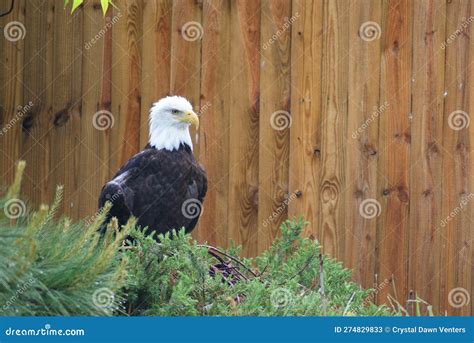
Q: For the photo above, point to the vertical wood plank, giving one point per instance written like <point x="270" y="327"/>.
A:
<point x="96" y="97"/>
<point x="37" y="88"/>
<point x="244" y="113"/>
<point x="11" y="94"/>
<point x="457" y="273"/>
<point x="156" y="58"/>
<point x="215" y="119"/>
<point x="275" y="119"/>
<point x="186" y="39"/>
<point x="126" y="78"/>
<point x="427" y="124"/>
<point x="305" y="132"/>
<point x="364" y="111"/>
<point x="469" y="254"/>
<point x="393" y="183"/>
<point x="334" y="117"/>
<point x="65" y="107"/>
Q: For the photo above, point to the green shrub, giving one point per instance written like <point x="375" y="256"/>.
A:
<point x="55" y="267"/>
<point x="173" y="278"/>
<point x="52" y="266"/>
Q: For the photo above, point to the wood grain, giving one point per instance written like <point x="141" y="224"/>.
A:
<point x="275" y="119"/>
<point x="469" y="254"/>
<point x="306" y="104"/>
<point x="457" y="247"/>
<point x="364" y="111"/>
<point x="215" y="119"/>
<point x="394" y="149"/>
<point x="333" y="122"/>
<point x="425" y="154"/>
<point x="96" y="96"/>
<point x="126" y="78"/>
<point x="11" y="95"/>
<point x="37" y="88"/>
<point x="305" y="134"/>
<point x="244" y="111"/>
<point x="186" y="55"/>
<point x="64" y="113"/>
<point x="156" y="56"/>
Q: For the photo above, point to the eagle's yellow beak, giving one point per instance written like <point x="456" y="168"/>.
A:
<point x="192" y="118"/>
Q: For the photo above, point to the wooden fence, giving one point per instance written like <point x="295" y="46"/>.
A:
<point x="353" y="114"/>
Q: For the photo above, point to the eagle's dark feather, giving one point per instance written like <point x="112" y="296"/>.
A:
<point x="153" y="186"/>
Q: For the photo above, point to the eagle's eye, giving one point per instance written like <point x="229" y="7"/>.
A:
<point x="174" y="111"/>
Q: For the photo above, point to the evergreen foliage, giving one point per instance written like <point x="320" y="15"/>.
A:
<point x="51" y="266"/>
<point x="173" y="278"/>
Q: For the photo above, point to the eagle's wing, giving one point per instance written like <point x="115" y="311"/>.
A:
<point x="118" y="190"/>
<point x="197" y="190"/>
<point x="153" y="186"/>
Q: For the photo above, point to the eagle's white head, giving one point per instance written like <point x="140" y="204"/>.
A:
<point x="170" y="119"/>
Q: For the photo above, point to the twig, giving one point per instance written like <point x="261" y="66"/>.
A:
<point x="228" y="256"/>
<point x="348" y="304"/>
<point x="321" y="276"/>
<point x="321" y="284"/>
<point x="307" y="263"/>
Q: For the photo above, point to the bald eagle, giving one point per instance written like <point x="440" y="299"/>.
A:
<point x="162" y="186"/>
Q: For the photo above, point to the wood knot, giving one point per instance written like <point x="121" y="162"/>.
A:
<point x="298" y="193"/>
<point x="253" y="195"/>
<point x="433" y="148"/>
<point x="370" y="150"/>
<point x="61" y="117"/>
<point x="27" y="123"/>
<point x="329" y="192"/>
<point x="402" y="194"/>
<point x="461" y="147"/>
<point x="407" y="137"/>
<point x="395" y="46"/>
